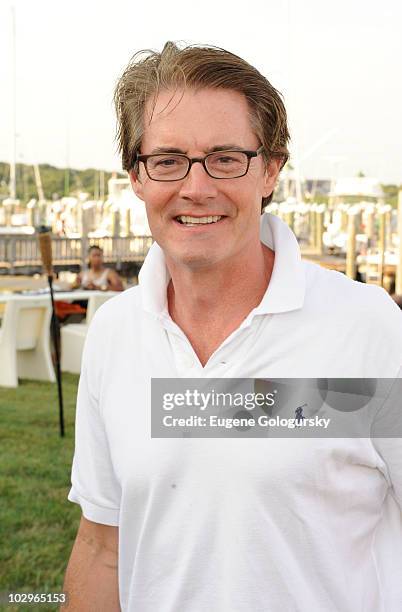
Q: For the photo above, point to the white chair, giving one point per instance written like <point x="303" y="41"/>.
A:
<point x="25" y="341"/>
<point x="73" y="335"/>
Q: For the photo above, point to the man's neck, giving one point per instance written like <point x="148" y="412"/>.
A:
<point x="208" y="305"/>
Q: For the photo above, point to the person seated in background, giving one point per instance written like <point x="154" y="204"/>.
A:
<point x="97" y="276"/>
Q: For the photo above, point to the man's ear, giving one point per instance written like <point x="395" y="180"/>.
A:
<point x="272" y="169"/>
<point x="136" y="184"/>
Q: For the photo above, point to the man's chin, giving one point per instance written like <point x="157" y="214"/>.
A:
<point x="192" y="260"/>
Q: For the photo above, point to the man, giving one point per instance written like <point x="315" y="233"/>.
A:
<point x="226" y="525"/>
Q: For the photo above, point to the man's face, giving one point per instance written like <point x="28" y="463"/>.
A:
<point x="195" y="123"/>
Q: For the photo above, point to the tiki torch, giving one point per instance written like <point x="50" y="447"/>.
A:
<point x="45" y="245"/>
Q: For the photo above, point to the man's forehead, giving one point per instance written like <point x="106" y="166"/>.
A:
<point x="167" y="100"/>
<point x="215" y="116"/>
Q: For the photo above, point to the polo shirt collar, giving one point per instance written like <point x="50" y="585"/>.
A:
<point x="286" y="288"/>
<point x="287" y="285"/>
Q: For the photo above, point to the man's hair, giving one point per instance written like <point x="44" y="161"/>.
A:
<point x="196" y="67"/>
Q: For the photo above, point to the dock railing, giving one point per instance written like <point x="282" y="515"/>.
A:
<point x="22" y="252"/>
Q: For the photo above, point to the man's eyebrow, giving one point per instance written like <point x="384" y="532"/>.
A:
<point x="167" y="150"/>
<point x="222" y="147"/>
<point x="225" y="147"/>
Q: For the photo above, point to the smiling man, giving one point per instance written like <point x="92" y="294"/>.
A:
<point x="203" y="182"/>
<point x="222" y="524"/>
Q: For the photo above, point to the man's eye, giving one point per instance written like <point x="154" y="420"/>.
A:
<point x="166" y="162"/>
<point x="225" y="159"/>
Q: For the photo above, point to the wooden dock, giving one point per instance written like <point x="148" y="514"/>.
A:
<point x="363" y="271"/>
<point x="21" y="255"/>
<point x="332" y="262"/>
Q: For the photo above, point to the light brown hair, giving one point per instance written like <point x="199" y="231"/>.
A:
<point x="175" y="68"/>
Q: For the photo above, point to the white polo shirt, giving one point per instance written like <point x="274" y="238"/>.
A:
<point x="240" y="525"/>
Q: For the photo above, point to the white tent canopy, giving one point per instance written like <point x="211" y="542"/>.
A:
<point x="364" y="187"/>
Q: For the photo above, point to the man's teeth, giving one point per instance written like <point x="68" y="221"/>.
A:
<point x="195" y="220"/>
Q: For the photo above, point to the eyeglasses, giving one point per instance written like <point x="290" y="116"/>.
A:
<point x="176" y="166"/>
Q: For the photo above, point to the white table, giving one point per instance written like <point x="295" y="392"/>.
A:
<point x="65" y="296"/>
<point x="12" y="303"/>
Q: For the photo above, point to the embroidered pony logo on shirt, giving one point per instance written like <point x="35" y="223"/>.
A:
<point x="299" y="415"/>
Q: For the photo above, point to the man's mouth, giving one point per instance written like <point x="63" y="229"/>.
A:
<point x="191" y="221"/>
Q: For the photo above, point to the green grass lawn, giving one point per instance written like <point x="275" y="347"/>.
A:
<point x="37" y="523"/>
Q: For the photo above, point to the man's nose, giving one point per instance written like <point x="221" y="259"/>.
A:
<point x="198" y="185"/>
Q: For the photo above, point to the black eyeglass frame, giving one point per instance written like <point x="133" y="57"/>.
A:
<point x="201" y="160"/>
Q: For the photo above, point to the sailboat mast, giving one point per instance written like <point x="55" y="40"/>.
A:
<point x="38" y="183"/>
<point x="13" y="182"/>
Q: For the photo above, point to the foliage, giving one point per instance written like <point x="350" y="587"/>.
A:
<point x="54" y="181"/>
<point x="37" y="522"/>
<point x="391" y="194"/>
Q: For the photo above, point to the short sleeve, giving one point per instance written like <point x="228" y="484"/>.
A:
<point x="94" y="484"/>
<point x="387" y="545"/>
<point x="390" y="450"/>
<point x="386" y="434"/>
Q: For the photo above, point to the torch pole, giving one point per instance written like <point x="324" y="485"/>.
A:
<point x="56" y="342"/>
<point x="45" y="245"/>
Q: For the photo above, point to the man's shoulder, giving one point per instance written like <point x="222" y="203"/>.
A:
<point x="362" y="318"/>
<point x="117" y="307"/>
<point x="335" y="291"/>
<point x="112" y="322"/>
<point x="123" y="298"/>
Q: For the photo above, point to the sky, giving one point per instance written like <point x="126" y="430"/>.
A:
<point x="335" y="62"/>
